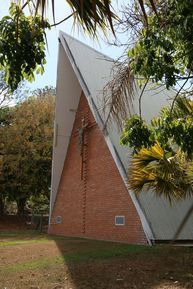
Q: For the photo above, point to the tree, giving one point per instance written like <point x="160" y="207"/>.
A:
<point x="27" y="150"/>
<point x="159" y="49"/>
<point x="162" y="151"/>
<point x="160" y="52"/>
<point x="4" y="122"/>
<point x="6" y="95"/>
<point x="23" y="36"/>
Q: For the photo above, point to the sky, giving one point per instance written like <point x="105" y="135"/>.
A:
<point x="61" y="11"/>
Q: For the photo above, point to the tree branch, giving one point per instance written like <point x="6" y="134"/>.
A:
<point x="172" y="106"/>
<point x="69" y="16"/>
<point x="140" y="97"/>
<point x="25" y="4"/>
<point x="184" y="77"/>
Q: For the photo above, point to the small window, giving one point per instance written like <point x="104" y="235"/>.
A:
<point x="119" y="220"/>
<point x="58" y="220"/>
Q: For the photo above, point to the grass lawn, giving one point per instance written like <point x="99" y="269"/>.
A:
<point x="29" y="260"/>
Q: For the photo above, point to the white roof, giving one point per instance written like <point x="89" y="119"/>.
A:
<point x="83" y="68"/>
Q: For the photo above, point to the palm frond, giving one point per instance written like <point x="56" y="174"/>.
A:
<point x="119" y="94"/>
<point x="53" y="11"/>
<point x="152" y="170"/>
<point x="90" y="14"/>
<point x="183" y="107"/>
<point x="41" y="6"/>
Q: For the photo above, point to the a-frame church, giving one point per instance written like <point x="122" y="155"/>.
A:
<point x="89" y="195"/>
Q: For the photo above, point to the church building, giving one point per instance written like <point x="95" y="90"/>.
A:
<point x="89" y="196"/>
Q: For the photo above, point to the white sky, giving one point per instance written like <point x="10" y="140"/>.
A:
<point x="49" y="77"/>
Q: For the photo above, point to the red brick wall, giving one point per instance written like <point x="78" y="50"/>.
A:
<point x="88" y="206"/>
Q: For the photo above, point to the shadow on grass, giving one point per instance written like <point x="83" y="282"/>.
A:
<point x="96" y="264"/>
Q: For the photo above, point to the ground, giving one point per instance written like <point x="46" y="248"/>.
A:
<point x="29" y="260"/>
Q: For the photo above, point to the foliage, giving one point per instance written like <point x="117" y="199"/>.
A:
<point x="22" y="46"/>
<point x="164" y="47"/>
<point x="163" y="151"/>
<point x="173" y="130"/>
<point x="155" y="170"/>
<point x="4" y="122"/>
<point x="7" y="97"/>
<point x="26" y="150"/>
<point x="159" y="49"/>
<point x="38" y="203"/>
<point x="161" y="52"/>
<point x="136" y="133"/>
<point x="45" y="91"/>
<point x="90" y="14"/>
<point x="93" y="14"/>
<point x="4" y="116"/>
<point x="23" y="38"/>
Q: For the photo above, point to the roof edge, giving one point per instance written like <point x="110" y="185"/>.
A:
<point x="62" y="33"/>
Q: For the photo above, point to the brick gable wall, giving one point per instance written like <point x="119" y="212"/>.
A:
<point x="91" y="191"/>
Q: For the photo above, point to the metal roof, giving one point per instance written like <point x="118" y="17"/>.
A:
<point x="83" y="68"/>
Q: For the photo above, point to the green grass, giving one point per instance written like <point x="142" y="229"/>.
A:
<point x="91" y="255"/>
<point x="34" y="234"/>
<point x="17" y="234"/>
<point x="86" y="250"/>
<point x="21" y="242"/>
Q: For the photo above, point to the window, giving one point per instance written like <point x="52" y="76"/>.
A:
<point x="119" y="220"/>
<point x="58" y="220"/>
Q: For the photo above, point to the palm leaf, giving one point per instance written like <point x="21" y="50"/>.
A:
<point x="119" y="94"/>
<point x="183" y="107"/>
<point x="152" y="170"/>
<point x="93" y="13"/>
<point x="53" y="11"/>
<point x="89" y="13"/>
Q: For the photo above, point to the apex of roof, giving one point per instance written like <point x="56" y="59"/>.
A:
<point x="92" y="68"/>
<point x="69" y="40"/>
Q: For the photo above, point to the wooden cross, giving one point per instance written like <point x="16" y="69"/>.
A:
<point x="81" y="143"/>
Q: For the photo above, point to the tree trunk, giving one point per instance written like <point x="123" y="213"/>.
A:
<point x="2" y="205"/>
<point x="21" y="206"/>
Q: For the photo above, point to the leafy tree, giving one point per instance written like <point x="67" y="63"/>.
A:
<point x="4" y="122"/>
<point x="22" y="46"/>
<point x="23" y="36"/>
<point x="159" y="51"/>
<point x="137" y="134"/>
<point x="162" y="151"/>
<point x="27" y="150"/>
<point x="163" y="51"/>
<point x="6" y="96"/>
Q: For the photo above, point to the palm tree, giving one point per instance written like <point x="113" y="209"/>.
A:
<point x="90" y="14"/>
<point x="166" y="168"/>
<point x="153" y="169"/>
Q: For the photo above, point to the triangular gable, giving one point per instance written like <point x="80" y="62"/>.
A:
<point x="91" y="192"/>
<point x="78" y="61"/>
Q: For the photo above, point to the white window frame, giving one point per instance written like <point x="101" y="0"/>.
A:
<point x="119" y="216"/>
<point x="58" y="219"/>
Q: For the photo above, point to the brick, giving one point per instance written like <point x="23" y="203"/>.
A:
<point x="88" y="207"/>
